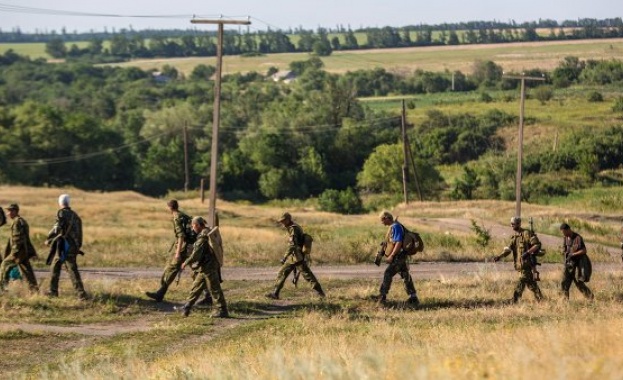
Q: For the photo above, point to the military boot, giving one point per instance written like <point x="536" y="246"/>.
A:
<point x="221" y="313"/>
<point x="157" y="296"/>
<point x="318" y="289"/>
<point x="413" y="300"/>
<point x="185" y="310"/>
<point x="206" y="301"/>
<point x="272" y="295"/>
<point x="516" y="297"/>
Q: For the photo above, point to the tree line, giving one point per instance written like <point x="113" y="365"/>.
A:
<point x="112" y="128"/>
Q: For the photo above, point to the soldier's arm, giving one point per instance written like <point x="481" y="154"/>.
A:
<point x="578" y="244"/>
<point x="179" y="235"/>
<point x="198" y="249"/>
<point x="18" y="236"/>
<point x="535" y="246"/>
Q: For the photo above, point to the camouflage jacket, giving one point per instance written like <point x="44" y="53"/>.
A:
<point x="520" y="242"/>
<point x="19" y="245"/>
<point x="69" y="225"/>
<point x="202" y="257"/>
<point x="295" y="243"/>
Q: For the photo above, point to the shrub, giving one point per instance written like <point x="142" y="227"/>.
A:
<point x="618" y="104"/>
<point x="343" y="202"/>
<point x="595" y="96"/>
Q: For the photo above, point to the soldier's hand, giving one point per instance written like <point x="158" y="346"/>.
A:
<point x="183" y="266"/>
<point x="496" y="259"/>
<point x="283" y="260"/>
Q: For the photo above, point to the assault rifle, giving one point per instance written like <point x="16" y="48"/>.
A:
<point x="380" y="254"/>
<point x="532" y="259"/>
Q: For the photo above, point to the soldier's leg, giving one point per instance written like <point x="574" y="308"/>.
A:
<point x="581" y="285"/>
<point x="534" y="287"/>
<point x="171" y="271"/>
<point x="389" y="274"/>
<point x="408" y="284"/>
<point x="565" y="284"/>
<point x="199" y="285"/>
<point x="207" y="298"/>
<point x="521" y="285"/>
<point x="5" y="268"/>
<point x="309" y="276"/>
<point x="74" y="275"/>
<point x="29" y="274"/>
<point x="282" y="275"/>
<point x="55" y="275"/>
<point x="213" y="281"/>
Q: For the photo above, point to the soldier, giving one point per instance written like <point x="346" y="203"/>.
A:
<point x="66" y="238"/>
<point x="206" y="265"/>
<point x="294" y="259"/>
<point x="578" y="268"/>
<point x="522" y="245"/>
<point x="182" y="246"/>
<point x="397" y="260"/>
<point x="19" y="250"/>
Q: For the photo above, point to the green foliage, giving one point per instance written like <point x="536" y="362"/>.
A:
<point x="618" y="104"/>
<point x="543" y="94"/>
<point x="595" y="97"/>
<point x="465" y="186"/>
<point x="483" y="236"/>
<point x="343" y="202"/>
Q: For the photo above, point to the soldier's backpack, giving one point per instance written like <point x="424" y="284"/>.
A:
<point x="412" y="242"/>
<point x="189" y="234"/>
<point x="2" y="217"/>
<point x="308" y="240"/>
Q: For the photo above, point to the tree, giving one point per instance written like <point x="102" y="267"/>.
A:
<point x="56" y="48"/>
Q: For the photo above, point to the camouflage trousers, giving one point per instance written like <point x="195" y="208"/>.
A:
<point x="526" y="279"/>
<point x="208" y="277"/>
<point x="25" y="269"/>
<point x="72" y="269"/>
<point x="173" y="268"/>
<point x="398" y="266"/>
<point x="288" y="268"/>
<point x="569" y="277"/>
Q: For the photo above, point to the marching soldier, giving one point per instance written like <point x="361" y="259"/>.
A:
<point x="66" y="238"/>
<point x="294" y="259"/>
<point x="19" y="250"/>
<point x="523" y="244"/>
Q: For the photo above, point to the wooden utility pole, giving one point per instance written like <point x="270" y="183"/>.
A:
<point x="405" y="163"/>
<point x="186" y="170"/>
<point x="217" y="108"/>
<point x="523" y="80"/>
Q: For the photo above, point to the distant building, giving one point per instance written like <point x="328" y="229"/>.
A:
<point x="159" y="77"/>
<point x="284" y="76"/>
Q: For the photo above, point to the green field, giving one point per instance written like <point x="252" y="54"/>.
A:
<point x="512" y="57"/>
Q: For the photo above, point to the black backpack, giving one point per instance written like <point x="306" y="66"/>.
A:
<point x="189" y="234"/>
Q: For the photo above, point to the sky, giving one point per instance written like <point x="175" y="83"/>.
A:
<point x="82" y="16"/>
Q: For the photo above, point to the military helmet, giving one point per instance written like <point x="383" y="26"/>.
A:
<point x="285" y="216"/>
<point x="516" y="220"/>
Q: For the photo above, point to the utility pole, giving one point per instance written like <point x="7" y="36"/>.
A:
<point x="523" y="78"/>
<point x="217" y="108"/>
<point x="186" y="170"/>
<point x="404" y="152"/>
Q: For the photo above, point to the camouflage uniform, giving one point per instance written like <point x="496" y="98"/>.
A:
<point x="574" y="269"/>
<point x="19" y="250"/>
<point x="69" y="229"/>
<point x="294" y="258"/>
<point x="521" y="241"/>
<point x="207" y="274"/>
<point x="399" y="265"/>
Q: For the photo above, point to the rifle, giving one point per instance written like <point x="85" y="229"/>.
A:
<point x="380" y="253"/>
<point x="532" y="259"/>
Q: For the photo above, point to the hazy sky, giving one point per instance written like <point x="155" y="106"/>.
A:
<point x="46" y="15"/>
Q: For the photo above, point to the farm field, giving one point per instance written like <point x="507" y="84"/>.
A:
<point x="512" y="57"/>
<point x="464" y="328"/>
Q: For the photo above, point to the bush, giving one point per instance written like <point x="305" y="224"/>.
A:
<point x="485" y="98"/>
<point x="618" y="104"/>
<point x="543" y="94"/>
<point x="343" y="202"/>
<point x="595" y="96"/>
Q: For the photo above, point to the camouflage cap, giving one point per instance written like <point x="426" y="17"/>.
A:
<point x="13" y="206"/>
<point x="285" y="216"/>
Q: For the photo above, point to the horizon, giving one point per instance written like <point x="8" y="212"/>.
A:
<point x="36" y="16"/>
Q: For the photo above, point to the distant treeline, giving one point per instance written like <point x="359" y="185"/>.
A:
<point x="126" y="44"/>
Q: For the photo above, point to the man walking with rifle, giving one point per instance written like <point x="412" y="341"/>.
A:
<point x="19" y="251"/>
<point x="524" y="244"/>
